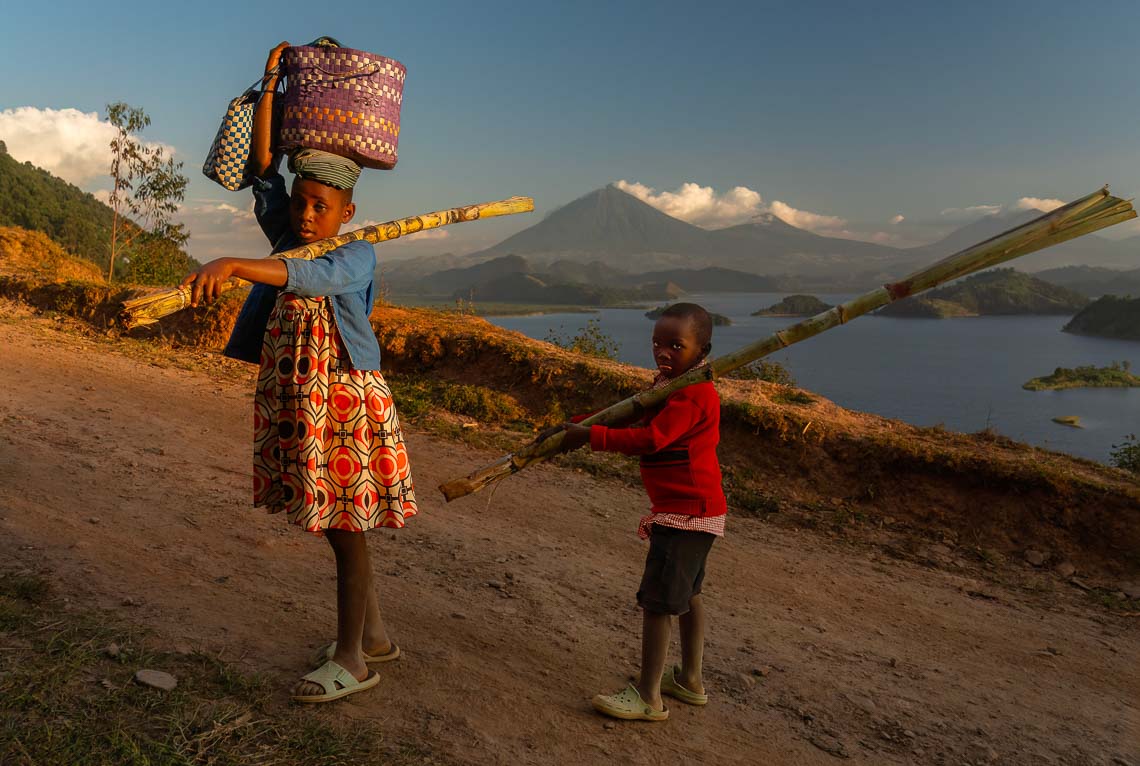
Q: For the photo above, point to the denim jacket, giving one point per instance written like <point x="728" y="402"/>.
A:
<point x="344" y="275"/>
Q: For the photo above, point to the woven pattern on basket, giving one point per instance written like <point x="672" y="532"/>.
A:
<point x="228" y="159"/>
<point x="343" y="101"/>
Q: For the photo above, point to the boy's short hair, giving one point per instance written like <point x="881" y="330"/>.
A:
<point x="702" y="322"/>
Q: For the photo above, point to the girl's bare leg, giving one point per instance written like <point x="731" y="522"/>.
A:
<point x="353" y="584"/>
<point x="376" y="639"/>
<point x="655" y="633"/>
<point x="692" y="625"/>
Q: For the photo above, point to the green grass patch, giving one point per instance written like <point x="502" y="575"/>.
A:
<point x="792" y="396"/>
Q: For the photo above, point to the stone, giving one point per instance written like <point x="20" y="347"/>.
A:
<point x="1036" y="558"/>
<point x="1130" y="589"/>
<point x="609" y="725"/>
<point x="866" y="704"/>
<point x="762" y="671"/>
<point x="496" y="584"/>
<point x="1065" y="569"/>
<point x="156" y="679"/>
<point x="458" y="616"/>
<point x="112" y="650"/>
<point x="93" y="520"/>
<point x="829" y="745"/>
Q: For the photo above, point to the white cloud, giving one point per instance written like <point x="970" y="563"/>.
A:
<point x="832" y="225"/>
<point x="74" y="145"/>
<point x="700" y="205"/>
<point x="971" y="213"/>
<point x="1038" y="203"/>
<point x="896" y="220"/>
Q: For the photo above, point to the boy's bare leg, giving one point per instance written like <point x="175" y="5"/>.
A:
<point x="692" y="625"/>
<point x="655" y="634"/>
<point x="353" y="581"/>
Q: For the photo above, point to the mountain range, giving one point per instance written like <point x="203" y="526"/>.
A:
<point x="612" y="228"/>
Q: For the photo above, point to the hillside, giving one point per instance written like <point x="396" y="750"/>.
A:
<point x="998" y="292"/>
<point x="1092" y="250"/>
<point x="542" y="289"/>
<point x="1094" y="282"/>
<point x="1108" y="317"/>
<point x="34" y="199"/>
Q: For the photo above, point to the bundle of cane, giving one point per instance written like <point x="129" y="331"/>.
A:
<point x="149" y="308"/>
<point x="1084" y="216"/>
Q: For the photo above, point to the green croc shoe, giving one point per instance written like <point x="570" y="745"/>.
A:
<point x="670" y="686"/>
<point x="627" y="705"/>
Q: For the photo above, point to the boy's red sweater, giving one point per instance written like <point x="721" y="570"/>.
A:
<point x="677" y="444"/>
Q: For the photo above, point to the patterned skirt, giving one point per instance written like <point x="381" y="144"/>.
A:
<point x="328" y="449"/>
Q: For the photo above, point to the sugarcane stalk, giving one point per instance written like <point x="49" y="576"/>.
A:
<point x="1083" y="216"/>
<point x="148" y="309"/>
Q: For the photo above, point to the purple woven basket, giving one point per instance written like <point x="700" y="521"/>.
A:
<point x="343" y="101"/>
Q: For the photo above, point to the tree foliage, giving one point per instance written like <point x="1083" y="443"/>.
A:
<point x="147" y="186"/>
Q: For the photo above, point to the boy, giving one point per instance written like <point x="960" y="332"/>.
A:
<point x="677" y="444"/>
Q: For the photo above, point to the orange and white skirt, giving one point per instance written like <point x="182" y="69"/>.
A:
<point x="328" y="448"/>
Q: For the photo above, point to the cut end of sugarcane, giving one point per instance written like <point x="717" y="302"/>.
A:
<point x="472" y="483"/>
<point x="457" y="488"/>
<point x="147" y="309"/>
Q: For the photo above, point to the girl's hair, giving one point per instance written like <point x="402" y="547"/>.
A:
<point x="702" y="322"/>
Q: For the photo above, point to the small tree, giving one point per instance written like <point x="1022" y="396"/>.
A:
<point x="591" y="341"/>
<point x="146" y="185"/>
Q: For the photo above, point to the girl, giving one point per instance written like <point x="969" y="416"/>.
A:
<point x="328" y="449"/>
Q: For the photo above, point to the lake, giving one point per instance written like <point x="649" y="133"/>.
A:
<point x="962" y="373"/>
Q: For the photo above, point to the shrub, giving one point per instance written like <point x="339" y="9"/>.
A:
<point x="591" y="341"/>
<point x="1127" y="454"/>
<point x="762" y="369"/>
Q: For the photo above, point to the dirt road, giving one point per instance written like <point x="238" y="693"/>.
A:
<point x="127" y="481"/>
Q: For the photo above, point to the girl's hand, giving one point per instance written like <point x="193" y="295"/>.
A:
<point x="207" y="282"/>
<point x="575" y="437"/>
<point x="275" y="56"/>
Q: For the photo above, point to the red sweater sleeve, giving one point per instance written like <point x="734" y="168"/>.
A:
<point x="681" y="412"/>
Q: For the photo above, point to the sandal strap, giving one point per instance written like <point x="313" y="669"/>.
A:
<point x="330" y="674"/>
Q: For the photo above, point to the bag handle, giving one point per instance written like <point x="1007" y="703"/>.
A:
<point x="260" y="82"/>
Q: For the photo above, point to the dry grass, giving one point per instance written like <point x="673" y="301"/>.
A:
<point x="66" y="699"/>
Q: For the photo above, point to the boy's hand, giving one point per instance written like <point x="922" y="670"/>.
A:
<point x="208" y="281"/>
<point x="546" y="434"/>
<point x="575" y="437"/>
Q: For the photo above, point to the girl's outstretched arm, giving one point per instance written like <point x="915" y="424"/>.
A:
<point x="206" y="283"/>
<point x="261" y="153"/>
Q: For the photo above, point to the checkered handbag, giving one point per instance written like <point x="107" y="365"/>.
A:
<point x="344" y="101"/>
<point x="228" y="159"/>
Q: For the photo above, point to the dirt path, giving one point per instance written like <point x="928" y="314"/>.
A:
<point x="128" y="482"/>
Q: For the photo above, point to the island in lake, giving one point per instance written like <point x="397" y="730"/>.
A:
<point x="720" y="320"/>
<point x="1108" y="317"/>
<point x="794" y="306"/>
<point x="1116" y="375"/>
<point x="991" y="293"/>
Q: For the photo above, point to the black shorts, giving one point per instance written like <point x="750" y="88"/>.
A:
<point x="674" y="569"/>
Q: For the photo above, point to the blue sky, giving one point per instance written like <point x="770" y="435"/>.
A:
<point x="840" y="117"/>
